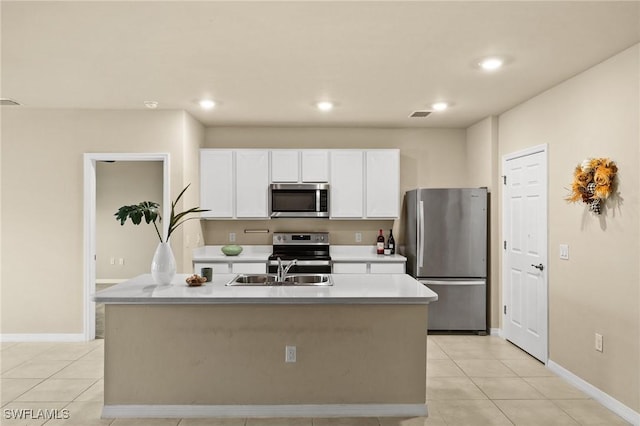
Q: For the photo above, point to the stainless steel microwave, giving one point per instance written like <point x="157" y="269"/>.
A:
<point x="299" y="199"/>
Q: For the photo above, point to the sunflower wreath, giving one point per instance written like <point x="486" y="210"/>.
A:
<point x="593" y="181"/>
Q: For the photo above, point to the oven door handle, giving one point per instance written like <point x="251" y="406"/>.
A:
<point x="303" y="262"/>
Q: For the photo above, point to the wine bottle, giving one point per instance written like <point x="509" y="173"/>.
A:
<point x="380" y="244"/>
<point x="391" y="242"/>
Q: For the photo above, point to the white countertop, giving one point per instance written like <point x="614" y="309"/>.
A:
<point x="260" y="253"/>
<point x="347" y="289"/>
<point x="255" y="253"/>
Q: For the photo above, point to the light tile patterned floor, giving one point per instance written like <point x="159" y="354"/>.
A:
<point x="471" y="380"/>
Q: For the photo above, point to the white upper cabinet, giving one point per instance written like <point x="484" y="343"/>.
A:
<point x="252" y="183"/>
<point x="315" y="165"/>
<point x="347" y="184"/>
<point x="365" y="184"/>
<point x="285" y="165"/>
<point x="216" y="183"/>
<point x="382" y="183"/>
<point x="299" y="166"/>
<point x="234" y="183"/>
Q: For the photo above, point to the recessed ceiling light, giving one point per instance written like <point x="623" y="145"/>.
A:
<point x="440" y="106"/>
<point x="207" y="104"/>
<point x="491" y="64"/>
<point x="325" y="106"/>
<point x="151" y="104"/>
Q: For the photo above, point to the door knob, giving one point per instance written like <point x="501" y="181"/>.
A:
<point x="540" y="266"/>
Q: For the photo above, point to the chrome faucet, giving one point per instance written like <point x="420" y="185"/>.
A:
<point x="282" y="272"/>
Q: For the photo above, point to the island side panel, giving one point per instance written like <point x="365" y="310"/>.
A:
<point x="235" y="354"/>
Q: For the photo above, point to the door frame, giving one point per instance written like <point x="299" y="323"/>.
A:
<point x="543" y="148"/>
<point x="90" y="160"/>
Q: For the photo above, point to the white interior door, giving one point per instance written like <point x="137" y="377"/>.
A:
<point x="525" y="251"/>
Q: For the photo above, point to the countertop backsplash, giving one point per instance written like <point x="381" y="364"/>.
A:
<point x="342" y="232"/>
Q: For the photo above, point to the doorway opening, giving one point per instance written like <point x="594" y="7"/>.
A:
<point x="116" y="179"/>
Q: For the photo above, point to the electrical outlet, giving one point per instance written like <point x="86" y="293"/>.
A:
<point x="598" y="342"/>
<point x="564" y="251"/>
<point x="232" y="237"/>
<point x="289" y="354"/>
<point x="358" y="237"/>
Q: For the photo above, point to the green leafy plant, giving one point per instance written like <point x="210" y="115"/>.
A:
<point x="149" y="210"/>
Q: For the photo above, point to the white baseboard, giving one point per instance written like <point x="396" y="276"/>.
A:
<point x="603" y="398"/>
<point x="110" y="280"/>
<point x="495" y="332"/>
<point x="297" y="410"/>
<point x="43" y="337"/>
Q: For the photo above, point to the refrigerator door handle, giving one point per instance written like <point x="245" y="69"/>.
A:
<point x="420" y="236"/>
<point x="454" y="282"/>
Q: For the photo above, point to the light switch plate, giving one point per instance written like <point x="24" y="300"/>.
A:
<point x="564" y="251"/>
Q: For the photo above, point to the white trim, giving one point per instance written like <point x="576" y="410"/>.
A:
<point x="523" y="153"/>
<point x="90" y="160"/>
<point x="543" y="148"/>
<point x="292" y="410"/>
<point x="603" y="398"/>
<point x="42" y="337"/>
<point x="495" y="332"/>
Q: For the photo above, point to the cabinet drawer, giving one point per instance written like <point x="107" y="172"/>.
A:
<point x="387" y="268"/>
<point x="249" y="268"/>
<point x="349" y="268"/>
<point x="218" y="268"/>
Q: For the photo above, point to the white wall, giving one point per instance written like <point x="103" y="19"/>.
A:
<point x="483" y="170"/>
<point x="594" y="114"/>
<point x="42" y="204"/>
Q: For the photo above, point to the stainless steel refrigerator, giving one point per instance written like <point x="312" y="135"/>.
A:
<point x="446" y="250"/>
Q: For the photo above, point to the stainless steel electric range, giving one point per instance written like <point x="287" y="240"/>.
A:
<point x="311" y="250"/>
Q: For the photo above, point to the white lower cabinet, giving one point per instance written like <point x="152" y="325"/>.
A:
<point x="369" y="268"/>
<point x="231" y="267"/>
<point x="249" y="268"/>
<point x="349" y="268"/>
<point x="387" y="268"/>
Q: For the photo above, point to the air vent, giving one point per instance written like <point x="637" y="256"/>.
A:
<point x="8" y="102"/>
<point x="419" y="114"/>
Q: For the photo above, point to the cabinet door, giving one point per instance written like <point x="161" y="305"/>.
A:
<point x="347" y="180"/>
<point x="387" y="268"/>
<point x="216" y="182"/>
<point x="383" y="183"/>
<point x="218" y="267"/>
<point x="315" y="165"/>
<point x="284" y="165"/>
<point x="249" y="268"/>
<point x="252" y="183"/>
<point x="349" y="268"/>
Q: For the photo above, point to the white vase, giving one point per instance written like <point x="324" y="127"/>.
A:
<point x="163" y="265"/>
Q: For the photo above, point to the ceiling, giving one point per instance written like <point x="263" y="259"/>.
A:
<point x="267" y="63"/>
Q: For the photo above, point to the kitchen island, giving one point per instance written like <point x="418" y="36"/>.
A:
<point x="217" y="350"/>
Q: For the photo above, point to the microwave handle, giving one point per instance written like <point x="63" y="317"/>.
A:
<point x="318" y="200"/>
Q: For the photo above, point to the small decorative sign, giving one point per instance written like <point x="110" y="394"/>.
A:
<point x="593" y="182"/>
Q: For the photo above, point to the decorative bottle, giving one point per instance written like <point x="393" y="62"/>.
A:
<point x="380" y="244"/>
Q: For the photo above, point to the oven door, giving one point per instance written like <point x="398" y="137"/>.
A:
<point x="303" y="267"/>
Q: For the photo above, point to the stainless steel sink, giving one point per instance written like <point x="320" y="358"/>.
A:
<point x="253" y="279"/>
<point x="290" y="280"/>
<point x="309" y="279"/>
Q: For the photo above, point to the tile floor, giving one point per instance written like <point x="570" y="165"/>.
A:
<point x="471" y="380"/>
